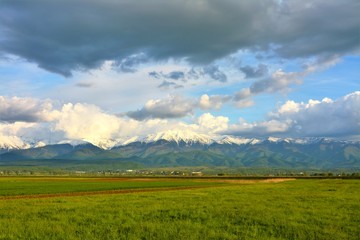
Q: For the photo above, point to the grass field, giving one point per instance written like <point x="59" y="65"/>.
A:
<point x="178" y="209"/>
<point x="17" y="186"/>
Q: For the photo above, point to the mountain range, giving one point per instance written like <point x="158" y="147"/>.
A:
<point x="186" y="148"/>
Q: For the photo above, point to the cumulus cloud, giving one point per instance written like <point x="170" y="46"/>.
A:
<point x="212" y="102"/>
<point x="328" y="117"/>
<point x="16" y="128"/>
<point x="17" y="109"/>
<point x="209" y="123"/>
<point x="95" y="125"/>
<point x="81" y="34"/>
<point x="315" y="118"/>
<point x="333" y="118"/>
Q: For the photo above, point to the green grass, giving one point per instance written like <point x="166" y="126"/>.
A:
<point x="13" y="186"/>
<point x="301" y="209"/>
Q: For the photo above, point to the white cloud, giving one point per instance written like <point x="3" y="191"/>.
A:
<point x="17" y="109"/>
<point x="207" y="122"/>
<point x="333" y="118"/>
<point x="212" y="102"/>
<point x="257" y="129"/>
<point x="98" y="125"/>
<point x="11" y="129"/>
<point x="88" y="122"/>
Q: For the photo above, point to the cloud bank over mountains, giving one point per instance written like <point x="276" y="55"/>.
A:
<point x="331" y="118"/>
<point x="327" y="117"/>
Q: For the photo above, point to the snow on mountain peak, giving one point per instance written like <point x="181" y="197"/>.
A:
<point x="234" y="140"/>
<point x="12" y="142"/>
<point x="73" y="142"/>
<point x="274" y="139"/>
<point x="39" y="144"/>
<point x="178" y="136"/>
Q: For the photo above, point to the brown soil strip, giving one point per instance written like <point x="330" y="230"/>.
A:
<point x="276" y="180"/>
<point x="242" y="181"/>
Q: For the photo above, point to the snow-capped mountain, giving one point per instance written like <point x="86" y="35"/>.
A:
<point x="188" y="148"/>
<point x="12" y="142"/>
<point x="73" y="142"/>
<point x="178" y="136"/>
<point x="236" y="140"/>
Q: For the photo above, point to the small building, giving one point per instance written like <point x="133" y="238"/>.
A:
<point x="196" y="173"/>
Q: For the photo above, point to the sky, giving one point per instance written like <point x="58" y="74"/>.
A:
<point x="96" y="70"/>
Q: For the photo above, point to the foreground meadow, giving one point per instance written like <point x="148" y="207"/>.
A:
<point x="179" y="209"/>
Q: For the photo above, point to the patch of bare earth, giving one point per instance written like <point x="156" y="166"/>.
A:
<point x="250" y="181"/>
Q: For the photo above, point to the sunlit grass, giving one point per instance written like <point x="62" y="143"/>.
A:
<point x="300" y="209"/>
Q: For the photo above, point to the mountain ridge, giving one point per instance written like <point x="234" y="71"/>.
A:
<point x="155" y="151"/>
<point x="189" y="137"/>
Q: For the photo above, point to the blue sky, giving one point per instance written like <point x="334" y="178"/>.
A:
<point x="243" y="68"/>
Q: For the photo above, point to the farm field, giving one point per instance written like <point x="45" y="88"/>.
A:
<point x="165" y="208"/>
<point x="58" y="186"/>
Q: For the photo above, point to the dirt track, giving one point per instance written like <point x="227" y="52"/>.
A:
<point x="243" y="181"/>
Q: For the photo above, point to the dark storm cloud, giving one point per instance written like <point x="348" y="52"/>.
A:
<point x="62" y="36"/>
<point x="318" y="27"/>
<point x="129" y="64"/>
